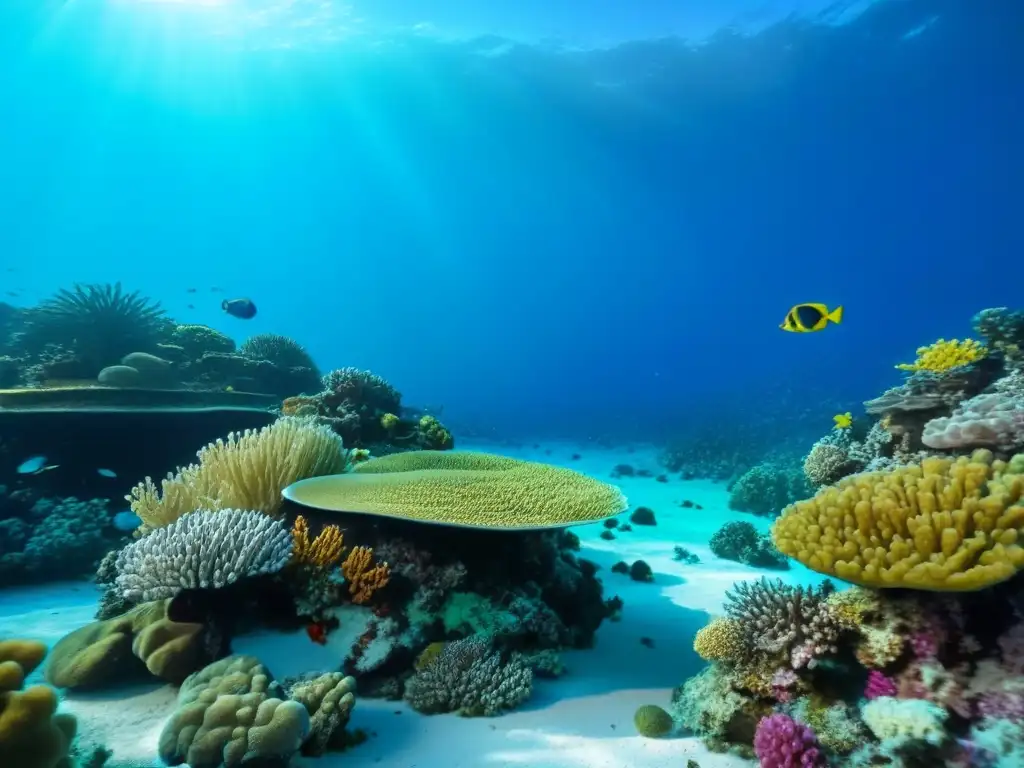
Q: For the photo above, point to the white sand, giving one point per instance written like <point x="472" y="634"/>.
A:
<point x="583" y="720"/>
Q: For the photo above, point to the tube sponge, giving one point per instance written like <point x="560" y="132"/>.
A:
<point x="944" y="525"/>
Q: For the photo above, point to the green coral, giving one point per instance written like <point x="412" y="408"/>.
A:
<point x="740" y="541"/>
<point x="653" y="721"/>
<point x="768" y="487"/>
<point x="198" y="340"/>
<point x="465" y="489"/>
<point x="836" y="724"/>
<point x="709" y="706"/>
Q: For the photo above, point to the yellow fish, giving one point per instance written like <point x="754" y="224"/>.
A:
<point x="806" y="318"/>
<point x="843" y="420"/>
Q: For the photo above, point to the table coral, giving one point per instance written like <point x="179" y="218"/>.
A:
<point x="943" y="524"/>
<point x="32" y="733"/>
<point x="465" y="489"/>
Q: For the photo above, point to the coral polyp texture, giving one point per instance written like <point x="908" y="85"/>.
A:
<point x="246" y="471"/>
<point x="944" y="355"/>
<point x="943" y="524"/>
<point x="994" y="420"/>
<point x="474" y="490"/>
<point x="202" y="550"/>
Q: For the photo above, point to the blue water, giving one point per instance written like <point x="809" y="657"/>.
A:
<point x="552" y="217"/>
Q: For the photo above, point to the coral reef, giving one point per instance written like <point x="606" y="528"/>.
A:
<point x="942" y="524"/>
<point x="942" y="355"/>
<point x="199" y="550"/>
<point x="233" y="713"/>
<point x="768" y="487"/>
<point x="48" y="538"/>
<point x="469" y="677"/>
<point x="366" y="411"/>
<point x="32" y="733"/>
<point x="465" y="489"/>
<point x="246" y="471"/>
<point x="740" y="541"/>
<point x="653" y="721"/>
<point x="285" y="354"/>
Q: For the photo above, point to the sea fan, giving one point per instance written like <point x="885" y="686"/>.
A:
<point x="99" y="323"/>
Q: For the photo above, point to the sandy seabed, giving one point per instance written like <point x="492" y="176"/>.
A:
<point x="582" y="720"/>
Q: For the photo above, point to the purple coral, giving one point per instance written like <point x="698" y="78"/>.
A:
<point x="1001" y="705"/>
<point x="879" y="685"/>
<point x="781" y="742"/>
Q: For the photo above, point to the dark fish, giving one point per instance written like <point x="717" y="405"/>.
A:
<point x="190" y="290"/>
<point x="646" y="642"/>
<point x="191" y="306"/>
<point x="244" y="309"/>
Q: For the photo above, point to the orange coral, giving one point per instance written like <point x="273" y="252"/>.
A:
<point x="323" y="552"/>
<point x="362" y="576"/>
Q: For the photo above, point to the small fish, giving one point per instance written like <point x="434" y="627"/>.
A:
<point x="191" y="306"/>
<point x="126" y="521"/>
<point x="190" y="290"/>
<point x="843" y="420"/>
<point x="215" y="289"/>
<point x="807" y="318"/>
<point x="33" y="466"/>
<point x="317" y="632"/>
<point x="106" y="472"/>
<point x="646" y="642"/>
<point x="243" y="309"/>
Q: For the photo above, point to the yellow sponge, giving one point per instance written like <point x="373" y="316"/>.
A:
<point x="945" y="525"/>
<point x="32" y="734"/>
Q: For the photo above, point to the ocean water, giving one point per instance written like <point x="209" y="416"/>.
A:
<point x="565" y="233"/>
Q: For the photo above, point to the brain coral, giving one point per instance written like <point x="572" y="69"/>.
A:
<point x="460" y="488"/>
<point x="944" y="525"/>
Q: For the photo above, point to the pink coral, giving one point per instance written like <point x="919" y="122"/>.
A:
<point x="925" y="644"/>
<point x="781" y="742"/>
<point x="783" y="682"/>
<point x="1001" y="705"/>
<point x="879" y="685"/>
<point x="994" y="420"/>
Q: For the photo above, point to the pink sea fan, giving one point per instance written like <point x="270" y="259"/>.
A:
<point x="879" y="685"/>
<point x="781" y="742"/>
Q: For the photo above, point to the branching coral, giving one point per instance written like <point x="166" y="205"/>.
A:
<point x="943" y="355"/>
<point x="246" y="471"/>
<point x="470" y="678"/>
<point x="781" y="742"/>
<point x="778" y="619"/>
<point x="324" y="551"/>
<point x="826" y="463"/>
<point x="363" y="577"/>
<point x="943" y="525"/>
<point x="200" y="550"/>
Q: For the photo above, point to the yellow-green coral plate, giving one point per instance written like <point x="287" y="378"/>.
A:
<point x="464" y="489"/>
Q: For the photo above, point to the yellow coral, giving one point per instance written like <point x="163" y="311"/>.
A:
<point x="246" y="471"/>
<point x="362" y="576"/>
<point x="323" y="552"/>
<point x="943" y="355"/>
<point x="463" y="488"/>
<point x="721" y="640"/>
<point x="389" y="421"/>
<point x="944" y="525"/>
<point x="852" y="606"/>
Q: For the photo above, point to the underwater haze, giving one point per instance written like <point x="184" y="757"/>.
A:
<point x="552" y="218"/>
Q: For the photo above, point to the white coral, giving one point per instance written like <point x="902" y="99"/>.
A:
<point x="902" y="720"/>
<point x="202" y="549"/>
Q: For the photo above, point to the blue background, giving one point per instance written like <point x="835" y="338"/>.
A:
<point x="557" y="218"/>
